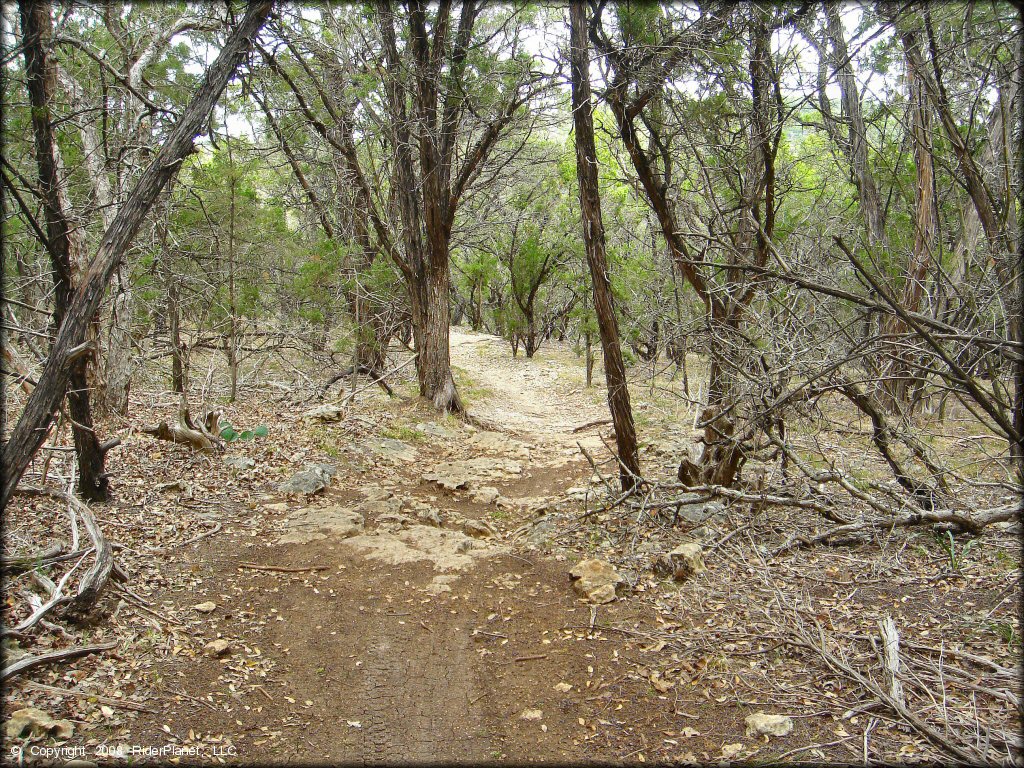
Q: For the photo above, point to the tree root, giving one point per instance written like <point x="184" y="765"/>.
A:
<point x="94" y="579"/>
<point x="204" y="437"/>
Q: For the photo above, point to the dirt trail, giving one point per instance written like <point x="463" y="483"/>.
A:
<point x="426" y="638"/>
<point x="534" y="398"/>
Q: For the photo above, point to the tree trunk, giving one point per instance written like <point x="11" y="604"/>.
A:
<point x="231" y="338"/>
<point x="179" y="371"/>
<point x="31" y="429"/>
<point x="63" y="246"/>
<point x="117" y="362"/>
<point x="430" y="324"/>
<point x="593" y="236"/>
<point x="855" y="143"/>
<point x="901" y="375"/>
<point x="531" y="331"/>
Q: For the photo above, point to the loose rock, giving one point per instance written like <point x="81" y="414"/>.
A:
<point x="763" y="724"/>
<point x="596" y="580"/>
<point x="207" y="607"/>
<point x="35" y="723"/>
<point x="324" y="413"/>
<point x="217" y="648"/>
<point x="311" y="480"/>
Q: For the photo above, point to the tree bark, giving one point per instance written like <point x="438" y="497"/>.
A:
<point x="593" y="236"/>
<point x="64" y="247"/>
<point x="855" y="144"/>
<point x="32" y="427"/>
<point x="901" y="375"/>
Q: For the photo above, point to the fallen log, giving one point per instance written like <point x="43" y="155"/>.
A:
<point x="204" y="437"/>
<point x="969" y="522"/>
<point x="31" y="662"/>
<point x="96" y="577"/>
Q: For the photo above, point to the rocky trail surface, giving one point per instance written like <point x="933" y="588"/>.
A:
<point x="372" y="583"/>
<point x="406" y="613"/>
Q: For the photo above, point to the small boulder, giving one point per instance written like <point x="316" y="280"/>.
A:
<point x="685" y="561"/>
<point x="35" y="723"/>
<point x="763" y="724"/>
<point x="208" y="607"/>
<point x="324" y="413"/>
<point x="478" y="529"/>
<point x="239" y="463"/>
<point x="486" y="495"/>
<point x="217" y="648"/>
<point x="531" y="714"/>
<point x="311" y="480"/>
<point x="596" y="580"/>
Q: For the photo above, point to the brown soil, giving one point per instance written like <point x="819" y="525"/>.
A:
<point x="448" y="657"/>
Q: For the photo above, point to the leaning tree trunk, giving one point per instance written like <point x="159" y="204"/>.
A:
<point x="63" y="246"/>
<point x="593" y="236"/>
<point x="42" y="404"/>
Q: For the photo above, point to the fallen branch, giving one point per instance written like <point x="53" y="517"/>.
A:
<point x="965" y="521"/>
<point x="891" y="658"/>
<point x="282" y="569"/>
<point x="31" y="662"/>
<point x="970" y="756"/>
<point x="96" y="577"/>
<point x="94" y="696"/>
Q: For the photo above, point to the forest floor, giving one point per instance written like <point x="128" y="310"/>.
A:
<point x="418" y="609"/>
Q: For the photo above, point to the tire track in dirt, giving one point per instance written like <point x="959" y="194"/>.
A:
<point x="385" y="669"/>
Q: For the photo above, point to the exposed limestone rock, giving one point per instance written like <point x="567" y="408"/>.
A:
<point x="763" y="724"/>
<point x="597" y="581"/>
<point x="388" y="505"/>
<point x="462" y="474"/>
<point x="325" y="413"/>
<point x="35" y="723"/>
<point x="311" y="480"/>
<point x="316" y="523"/>
<point x="447" y="550"/>
<point x="395" y="451"/>
<point x="495" y="442"/>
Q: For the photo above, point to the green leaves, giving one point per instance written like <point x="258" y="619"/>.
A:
<point x="230" y="434"/>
